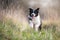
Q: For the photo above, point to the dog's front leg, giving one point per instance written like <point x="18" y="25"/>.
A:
<point x="31" y="24"/>
<point x="36" y="27"/>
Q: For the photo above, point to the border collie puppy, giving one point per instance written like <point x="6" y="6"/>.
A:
<point x="34" y="19"/>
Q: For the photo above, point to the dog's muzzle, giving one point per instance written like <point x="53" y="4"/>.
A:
<point x="33" y="15"/>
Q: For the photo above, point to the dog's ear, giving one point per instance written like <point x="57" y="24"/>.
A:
<point x="37" y="9"/>
<point x="30" y="10"/>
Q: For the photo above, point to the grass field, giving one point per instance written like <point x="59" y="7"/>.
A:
<point x="9" y="31"/>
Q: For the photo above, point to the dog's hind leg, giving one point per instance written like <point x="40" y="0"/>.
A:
<point x="36" y="27"/>
<point x="40" y="27"/>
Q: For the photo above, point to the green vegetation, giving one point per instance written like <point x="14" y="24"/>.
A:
<point x="9" y="31"/>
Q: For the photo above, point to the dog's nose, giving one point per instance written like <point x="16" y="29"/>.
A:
<point x="32" y="15"/>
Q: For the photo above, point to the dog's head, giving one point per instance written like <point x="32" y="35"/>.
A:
<point x="33" y="13"/>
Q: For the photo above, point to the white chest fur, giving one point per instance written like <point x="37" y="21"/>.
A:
<point x="36" y="20"/>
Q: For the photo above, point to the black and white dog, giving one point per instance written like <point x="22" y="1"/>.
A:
<point x="34" y="19"/>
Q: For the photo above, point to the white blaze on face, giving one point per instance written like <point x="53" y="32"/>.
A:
<point x="33" y="14"/>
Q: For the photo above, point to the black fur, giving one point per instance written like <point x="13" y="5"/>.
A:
<point x="30" y="11"/>
<point x="33" y="11"/>
<point x="36" y="12"/>
<point x="30" y="19"/>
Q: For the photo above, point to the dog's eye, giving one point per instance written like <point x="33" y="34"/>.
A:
<point x="36" y="11"/>
<point x="31" y="11"/>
